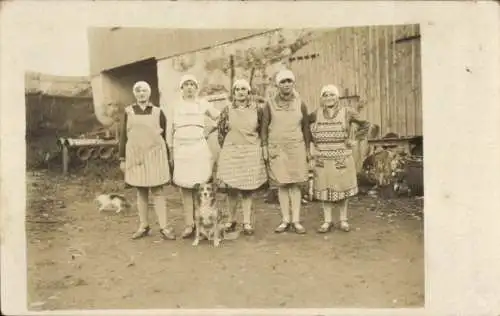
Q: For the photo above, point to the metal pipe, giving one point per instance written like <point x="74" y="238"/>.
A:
<point x="84" y="153"/>
<point x="78" y="142"/>
<point x="96" y="152"/>
<point x="106" y="153"/>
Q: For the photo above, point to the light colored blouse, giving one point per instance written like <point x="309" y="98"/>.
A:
<point x="187" y="119"/>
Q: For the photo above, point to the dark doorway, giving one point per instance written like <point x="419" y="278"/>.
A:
<point x="124" y="77"/>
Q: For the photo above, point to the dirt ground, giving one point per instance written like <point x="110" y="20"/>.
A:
<point x="80" y="259"/>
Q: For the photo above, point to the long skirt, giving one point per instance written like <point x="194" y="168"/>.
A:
<point x="242" y="166"/>
<point x="192" y="162"/>
<point x="287" y="163"/>
<point x="335" y="179"/>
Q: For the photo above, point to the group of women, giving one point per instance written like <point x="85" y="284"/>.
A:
<point x="276" y="143"/>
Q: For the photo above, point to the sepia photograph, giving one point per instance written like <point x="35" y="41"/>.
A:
<point x="228" y="168"/>
<point x="249" y="158"/>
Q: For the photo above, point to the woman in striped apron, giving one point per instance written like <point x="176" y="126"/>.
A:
<point x="335" y="172"/>
<point x="192" y="158"/>
<point x="144" y="158"/>
<point x="241" y="165"/>
<point x="287" y="138"/>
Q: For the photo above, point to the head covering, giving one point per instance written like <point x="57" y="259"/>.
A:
<point x="142" y="84"/>
<point x="186" y="78"/>
<point x="330" y="88"/>
<point x="284" y="74"/>
<point x="242" y="83"/>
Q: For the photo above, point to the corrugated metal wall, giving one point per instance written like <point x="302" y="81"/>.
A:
<point x="381" y="64"/>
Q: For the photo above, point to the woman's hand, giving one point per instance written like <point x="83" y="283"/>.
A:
<point x="122" y="165"/>
<point x="313" y="152"/>
<point x="311" y="157"/>
<point x="350" y="143"/>
<point x="265" y="154"/>
<point x="312" y="162"/>
<point x="171" y="157"/>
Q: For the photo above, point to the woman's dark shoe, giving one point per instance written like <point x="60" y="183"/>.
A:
<point x="344" y="226"/>
<point x="299" y="229"/>
<point x="248" y="229"/>
<point x="188" y="232"/>
<point x="167" y="234"/>
<point x="142" y="232"/>
<point x="284" y="226"/>
<point x="230" y="227"/>
<point x="325" y="227"/>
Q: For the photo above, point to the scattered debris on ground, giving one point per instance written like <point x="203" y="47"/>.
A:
<point x="79" y="258"/>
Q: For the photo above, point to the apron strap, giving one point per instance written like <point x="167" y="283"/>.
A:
<point x="186" y="125"/>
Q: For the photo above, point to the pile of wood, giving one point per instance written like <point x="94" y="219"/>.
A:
<point x="393" y="172"/>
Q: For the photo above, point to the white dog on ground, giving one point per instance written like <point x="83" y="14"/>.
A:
<point x="112" y="202"/>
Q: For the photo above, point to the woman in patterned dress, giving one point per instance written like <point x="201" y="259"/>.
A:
<point x="144" y="158"/>
<point x="335" y="172"/>
<point x="286" y="137"/>
<point x="192" y="158"/>
<point x="241" y="165"/>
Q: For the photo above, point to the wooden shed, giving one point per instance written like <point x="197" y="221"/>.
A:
<point x="380" y="64"/>
<point x="58" y="104"/>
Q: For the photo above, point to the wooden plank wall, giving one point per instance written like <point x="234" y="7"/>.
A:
<point x="58" y="116"/>
<point x="376" y="63"/>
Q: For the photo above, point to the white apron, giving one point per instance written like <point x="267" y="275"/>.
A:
<point x="192" y="155"/>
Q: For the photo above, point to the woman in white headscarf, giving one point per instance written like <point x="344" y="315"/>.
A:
<point x="192" y="158"/>
<point x="241" y="165"/>
<point x="335" y="171"/>
<point x="286" y="139"/>
<point x="144" y="157"/>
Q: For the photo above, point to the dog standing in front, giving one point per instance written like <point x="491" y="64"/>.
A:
<point x="207" y="215"/>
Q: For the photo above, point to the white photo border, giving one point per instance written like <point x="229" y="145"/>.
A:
<point x="461" y="116"/>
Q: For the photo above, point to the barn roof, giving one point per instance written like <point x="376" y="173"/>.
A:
<point x="51" y="85"/>
<point x="113" y="47"/>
